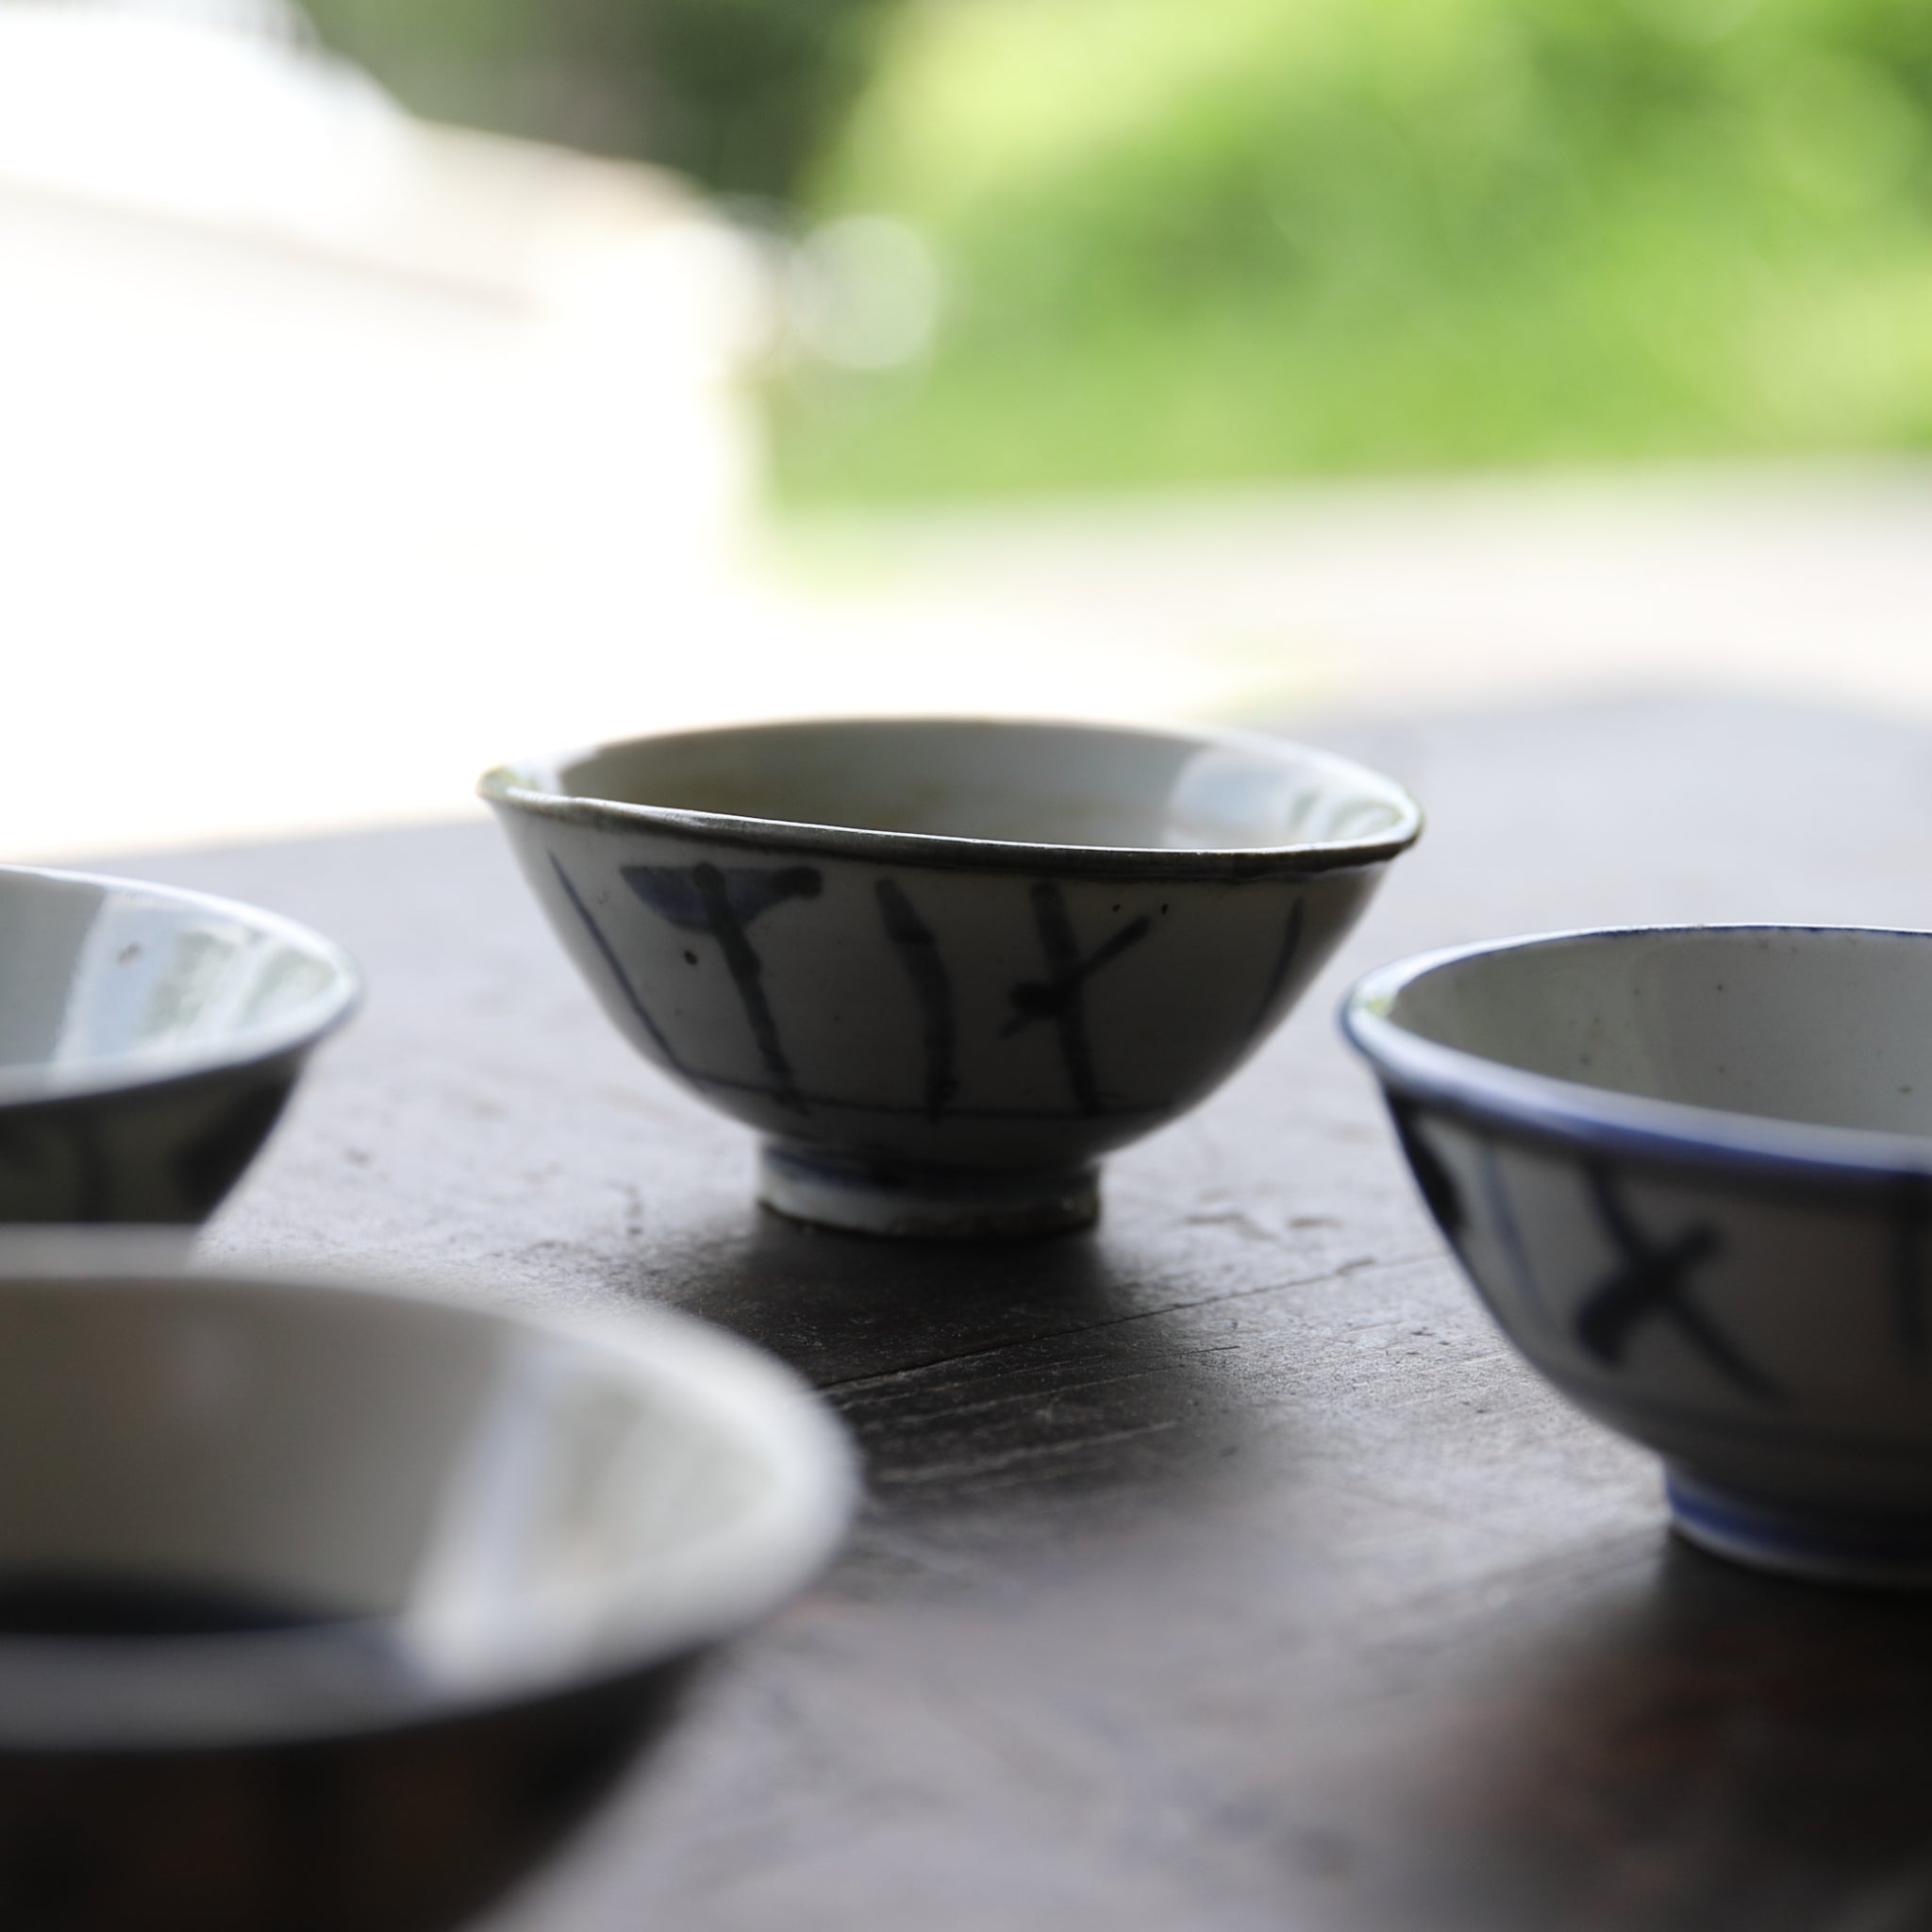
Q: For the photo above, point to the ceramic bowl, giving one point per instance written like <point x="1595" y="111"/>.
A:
<point x="329" y="1607"/>
<point x="148" y="1039"/>
<point x="943" y="965"/>
<point x="1690" y="1170"/>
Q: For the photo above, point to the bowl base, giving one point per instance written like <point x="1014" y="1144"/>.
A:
<point x="924" y="1202"/>
<point x="1818" y="1542"/>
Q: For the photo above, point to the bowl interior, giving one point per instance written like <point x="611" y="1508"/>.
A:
<point x="106" y="977"/>
<point x="1829" y="1027"/>
<point x="1016" y="782"/>
<point x="509" y="1503"/>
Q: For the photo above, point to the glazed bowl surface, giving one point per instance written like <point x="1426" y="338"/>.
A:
<point x="1690" y="1172"/>
<point x="149" y="1039"/>
<point x="364" y="1597"/>
<point x="943" y="965"/>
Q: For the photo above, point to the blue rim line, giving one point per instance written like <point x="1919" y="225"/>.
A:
<point x="1539" y="1108"/>
<point x="1822" y="1535"/>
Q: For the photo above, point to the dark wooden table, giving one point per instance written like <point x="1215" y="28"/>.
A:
<point x="1221" y="1569"/>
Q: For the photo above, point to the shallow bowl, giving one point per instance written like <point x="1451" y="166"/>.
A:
<point x="330" y="1606"/>
<point x="149" y="1039"/>
<point x="1690" y="1170"/>
<point x="943" y="965"/>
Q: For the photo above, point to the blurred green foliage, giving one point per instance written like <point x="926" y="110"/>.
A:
<point x="738" y="94"/>
<point x="1221" y="238"/>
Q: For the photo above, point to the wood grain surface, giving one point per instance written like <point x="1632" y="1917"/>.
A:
<point x="1221" y="1569"/>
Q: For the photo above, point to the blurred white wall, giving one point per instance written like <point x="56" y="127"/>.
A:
<point x="334" y="447"/>
<point x="341" y="457"/>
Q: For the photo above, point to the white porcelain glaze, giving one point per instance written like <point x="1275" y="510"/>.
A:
<point x="148" y="1039"/>
<point x="943" y="965"/>
<point x="494" y="1507"/>
<point x="1690" y="1170"/>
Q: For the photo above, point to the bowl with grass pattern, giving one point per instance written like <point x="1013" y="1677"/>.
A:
<point x="943" y="966"/>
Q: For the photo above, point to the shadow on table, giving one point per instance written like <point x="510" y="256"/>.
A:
<point x="1706" y="1750"/>
<point x="983" y="1374"/>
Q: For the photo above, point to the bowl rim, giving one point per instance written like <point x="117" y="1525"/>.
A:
<point x="31" y="1083"/>
<point x="530" y="785"/>
<point x="1595" y="1119"/>
<point x="758" y="1562"/>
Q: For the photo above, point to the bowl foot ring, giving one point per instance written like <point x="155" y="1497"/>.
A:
<point x="922" y="1202"/>
<point x="1815" y="1540"/>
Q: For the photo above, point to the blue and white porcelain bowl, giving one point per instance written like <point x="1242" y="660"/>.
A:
<point x="942" y="965"/>
<point x="1690" y="1170"/>
<point x="330" y="1606"/>
<point x="149" y="1039"/>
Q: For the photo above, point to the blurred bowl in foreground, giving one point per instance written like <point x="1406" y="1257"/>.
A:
<point x="942" y="965"/>
<point x="1690" y="1170"/>
<point x="331" y="1606"/>
<point x="149" y="1039"/>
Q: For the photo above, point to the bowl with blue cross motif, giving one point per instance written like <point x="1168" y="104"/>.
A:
<point x="943" y="966"/>
<point x="1690" y="1172"/>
